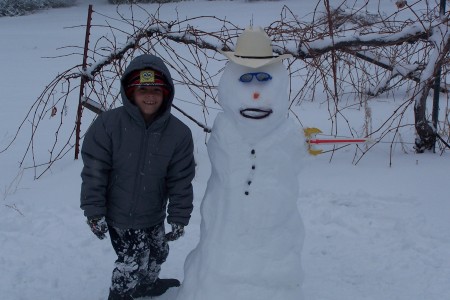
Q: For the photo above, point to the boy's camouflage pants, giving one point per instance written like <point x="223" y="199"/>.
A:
<point x="140" y="253"/>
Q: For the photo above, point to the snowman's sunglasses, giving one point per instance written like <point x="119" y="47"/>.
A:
<point x="260" y="76"/>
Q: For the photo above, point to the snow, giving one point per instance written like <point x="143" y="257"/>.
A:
<point x="372" y="231"/>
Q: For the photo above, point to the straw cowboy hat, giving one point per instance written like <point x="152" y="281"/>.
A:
<point x="254" y="49"/>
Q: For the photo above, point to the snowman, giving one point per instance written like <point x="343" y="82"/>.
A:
<point x="251" y="233"/>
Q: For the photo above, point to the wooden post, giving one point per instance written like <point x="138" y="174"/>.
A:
<point x="82" y="83"/>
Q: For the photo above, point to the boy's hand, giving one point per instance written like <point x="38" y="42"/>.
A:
<point x="177" y="232"/>
<point x="98" y="226"/>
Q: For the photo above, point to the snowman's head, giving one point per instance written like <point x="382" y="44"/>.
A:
<point x="256" y="98"/>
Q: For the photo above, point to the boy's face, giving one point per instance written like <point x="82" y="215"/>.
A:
<point x="148" y="99"/>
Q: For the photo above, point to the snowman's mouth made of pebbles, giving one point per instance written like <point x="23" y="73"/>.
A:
<point x="255" y="113"/>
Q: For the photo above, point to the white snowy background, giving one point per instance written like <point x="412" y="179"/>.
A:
<point x="373" y="231"/>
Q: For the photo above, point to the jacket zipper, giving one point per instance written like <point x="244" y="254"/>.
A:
<point x="140" y="171"/>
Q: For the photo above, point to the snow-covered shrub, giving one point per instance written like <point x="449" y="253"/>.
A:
<point x="23" y="7"/>
<point x="140" y="1"/>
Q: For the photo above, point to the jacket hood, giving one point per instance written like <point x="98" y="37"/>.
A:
<point x="148" y="61"/>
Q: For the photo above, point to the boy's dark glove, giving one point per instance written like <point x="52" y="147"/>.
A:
<point x="177" y="232"/>
<point x="98" y="226"/>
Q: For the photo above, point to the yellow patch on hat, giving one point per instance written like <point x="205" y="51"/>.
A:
<point x="147" y="76"/>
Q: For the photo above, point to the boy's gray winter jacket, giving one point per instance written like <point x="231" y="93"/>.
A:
<point x="131" y="168"/>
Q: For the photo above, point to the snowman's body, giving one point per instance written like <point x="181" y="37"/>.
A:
<point x="251" y="232"/>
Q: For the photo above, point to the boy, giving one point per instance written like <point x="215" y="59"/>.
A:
<point x="137" y="159"/>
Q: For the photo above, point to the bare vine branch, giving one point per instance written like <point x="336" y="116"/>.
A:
<point x="344" y="57"/>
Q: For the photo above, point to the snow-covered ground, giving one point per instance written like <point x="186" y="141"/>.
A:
<point x="373" y="231"/>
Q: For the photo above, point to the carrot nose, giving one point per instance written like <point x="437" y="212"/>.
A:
<point x="256" y="96"/>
